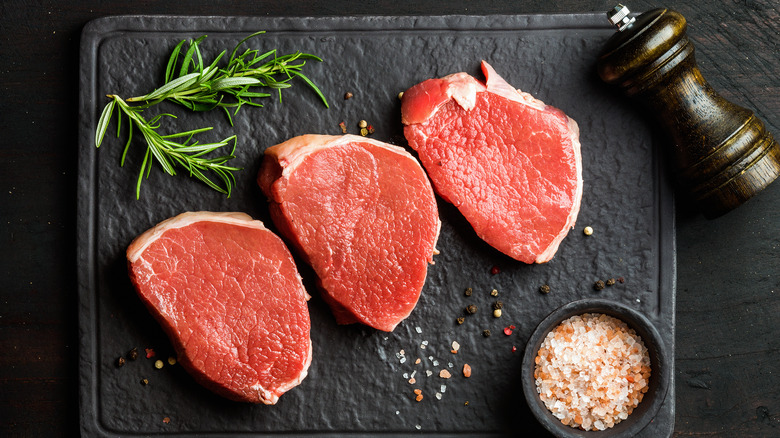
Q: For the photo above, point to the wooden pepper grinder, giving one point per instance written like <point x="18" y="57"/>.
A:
<point x="723" y="153"/>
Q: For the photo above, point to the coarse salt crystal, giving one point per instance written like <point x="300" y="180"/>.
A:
<point x="428" y="373"/>
<point x="438" y="396"/>
<point x="418" y="329"/>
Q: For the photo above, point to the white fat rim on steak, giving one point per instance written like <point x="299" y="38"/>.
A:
<point x="140" y="243"/>
<point x="463" y="88"/>
<point x="293" y="151"/>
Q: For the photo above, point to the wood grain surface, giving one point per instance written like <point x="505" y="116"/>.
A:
<point x="728" y="285"/>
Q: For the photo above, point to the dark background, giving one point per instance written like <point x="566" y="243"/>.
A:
<point x="728" y="285"/>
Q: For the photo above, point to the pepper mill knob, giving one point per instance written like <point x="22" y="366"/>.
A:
<point x="722" y="152"/>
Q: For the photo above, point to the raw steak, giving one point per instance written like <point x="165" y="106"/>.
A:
<point x="363" y="214"/>
<point x="226" y="291"/>
<point x="510" y="163"/>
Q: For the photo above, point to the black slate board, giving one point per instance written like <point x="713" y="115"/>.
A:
<point x="356" y="383"/>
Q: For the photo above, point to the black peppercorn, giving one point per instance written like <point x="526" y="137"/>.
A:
<point x="545" y="289"/>
<point x="486" y="333"/>
<point x="611" y="282"/>
<point x="471" y="309"/>
<point x="120" y="361"/>
<point x="468" y="292"/>
<point x="599" y="285"/>
<point x="133" y="354"/>
<point x="460" y="320"/>
<point x="498" y="305"/>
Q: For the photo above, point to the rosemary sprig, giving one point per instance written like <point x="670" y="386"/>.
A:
<point x="202" y="87"/>
<point x="168" y="152"/>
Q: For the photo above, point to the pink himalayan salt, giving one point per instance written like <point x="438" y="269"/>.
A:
<point x="592" y="371"/>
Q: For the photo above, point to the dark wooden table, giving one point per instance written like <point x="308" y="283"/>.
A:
<point x="728" y="282"/>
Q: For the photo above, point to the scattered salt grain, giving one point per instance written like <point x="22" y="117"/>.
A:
<point x="428" y="373"/>
<point x="418" y="329"/>
<point x="418" y="427"/>
<point x="455" y="346"/>
<point x="438" y="396"/>
<point x="592" y="371"/>
<point x="406" y="375"/>
<point x="443" y="388"/>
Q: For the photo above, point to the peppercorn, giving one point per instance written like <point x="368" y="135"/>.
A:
<point x="343" y="127"/>
<point x="144" y="382"/>
<point x="493" y="293"/>
<point x="460" y="320"/>
<point x="471" y="309"/>
<point x="498" y="305"/>
<point x="545" y="289"/>
<point x="120" y="361"/>
<point x="599" y="285"/>
<point x="158" y="364"/>
<point x="469" y="291"/>
<point x="486" y="333"/>
<point x="370" y="129"/>
<point x="133" y="354"/>
<point x="401" y="95"/>
<point x="611" y="282"/>
<point x="588" y="231"/>
<point x="348" y="95"/>
<point x="362" y="124"/>
<point x="497" y="313"/>
<point x="171" y="360"/>
<point x="363" y="132"/>
<point x="495" y="270"/>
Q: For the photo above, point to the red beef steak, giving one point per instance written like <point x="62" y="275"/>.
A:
<point x="510" y="163"/>
<point x="226" y="291"/>
<point x="363" y="214"/>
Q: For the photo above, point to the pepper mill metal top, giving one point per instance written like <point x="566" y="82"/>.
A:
<point x="722" y="152"/>
<point x="619" y="17"/>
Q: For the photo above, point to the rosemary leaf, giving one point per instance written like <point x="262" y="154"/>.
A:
<point x="102" y="125"/>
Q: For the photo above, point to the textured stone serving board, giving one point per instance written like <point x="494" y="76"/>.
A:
<point x="356" y="384"/>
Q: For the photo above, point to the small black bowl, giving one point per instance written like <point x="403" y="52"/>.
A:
<point x="660" y="366"/>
